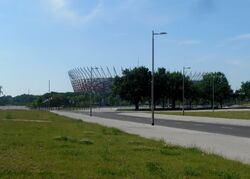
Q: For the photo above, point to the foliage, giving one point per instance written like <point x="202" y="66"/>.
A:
<point x="219" y="82"/>
<point x="244" y="91"/>
<point x="162" y="85"/>
<point x="176" y="87"/>
<point x="133" y="85"/>
<point x="5" y="100"/>
<point x="54" y="99"/>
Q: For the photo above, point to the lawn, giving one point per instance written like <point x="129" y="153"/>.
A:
<point x="246" y="104"/>
<point x="219" y="114"/>
<point x="36" y="144"/>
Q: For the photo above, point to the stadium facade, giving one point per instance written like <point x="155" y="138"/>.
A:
<point x="99" y="78"/>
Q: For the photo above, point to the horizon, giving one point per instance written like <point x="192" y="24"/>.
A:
<point x="42" y="40"/>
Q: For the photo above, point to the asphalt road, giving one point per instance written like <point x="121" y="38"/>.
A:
<point x="240" y="131"/>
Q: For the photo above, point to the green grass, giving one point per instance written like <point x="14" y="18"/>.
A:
<point x="35" y="144"/>
<point x="247" y="104"/>
<point x="218" y="114"/>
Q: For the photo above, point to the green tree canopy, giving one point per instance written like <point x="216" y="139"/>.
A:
<point x="133" y="85"/>
<point x="162" y="85"/>
<point x="175" y="91"/>
<point x="245" y="90"/>
<point x="222" y="89"/>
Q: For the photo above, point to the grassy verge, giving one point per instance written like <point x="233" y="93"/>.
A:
<point x="43" y="145"/>
<point x="217" y="114"/>
<point x="246" y="104"/>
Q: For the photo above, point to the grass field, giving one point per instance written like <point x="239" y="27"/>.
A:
<point x="246" y="104"/>
<point x="219" y="114"/>
<point x="35" y="144"/>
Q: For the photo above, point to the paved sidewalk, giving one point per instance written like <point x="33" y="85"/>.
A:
<point x="236" y="148"/>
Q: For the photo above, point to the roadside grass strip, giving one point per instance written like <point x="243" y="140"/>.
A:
<point x="67" y="148"/>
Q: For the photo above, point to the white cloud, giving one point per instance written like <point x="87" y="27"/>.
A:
<point x="189" y="42"/>
<point x="61" y="9"/>
<point x="234" y="62"/>
<point x="241" y="37"/>
<point x="58" y="5"/>
<point x="138" y="11"/>
<point x="238" y="38"/>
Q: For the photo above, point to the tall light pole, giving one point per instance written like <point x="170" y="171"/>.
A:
<point x="1" y="92"/>
<point x="153" y="71"/>
<point x="49" y="95"/>
<point x="49" y="86"/>
<point x="213" y="93"/>
<point x="183" y="88"/>
<point x="91" y="90"/>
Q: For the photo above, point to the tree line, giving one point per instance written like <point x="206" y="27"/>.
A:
<point x="59" y="100"/>
<point x="134" y="86"/>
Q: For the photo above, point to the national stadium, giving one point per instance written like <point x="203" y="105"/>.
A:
<point x="99" y="78"/>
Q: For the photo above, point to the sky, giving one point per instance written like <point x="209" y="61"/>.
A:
<point x="41" y="40"/>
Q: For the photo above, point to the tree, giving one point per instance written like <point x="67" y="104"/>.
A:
<point x="6" y="100"/>
<point x="133" y="85"/>
<point x="245" y="90"/>
<point x="175" y="90"/>
<point x="162" y="83"/>
<point x="24" y="99"/>
<point x="194" y="93"/>
<point x="219" y="82"/>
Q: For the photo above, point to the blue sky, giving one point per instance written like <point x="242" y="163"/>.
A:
<point x="41" y="40"/>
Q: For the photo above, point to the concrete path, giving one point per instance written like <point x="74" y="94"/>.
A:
<point x="231" y="147"/>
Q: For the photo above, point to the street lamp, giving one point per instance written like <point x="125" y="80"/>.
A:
<point x="1" y="92"/>
<point x="91" y="89"/>
<point x="213" y="92"/>
<point x="183" y="88"/>
<point x="153" y="71"/>
<point x="49" y="95"/>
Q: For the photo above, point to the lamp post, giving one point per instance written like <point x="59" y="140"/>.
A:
<point x="1" y="92"/>
<point x="91" y="89"/>
<point x="183" y="88"/>
<point x="153" y="71"/>
<point x="213" y="93"/>
<point x="49" y="95"/>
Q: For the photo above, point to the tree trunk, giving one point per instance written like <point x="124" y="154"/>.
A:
<point x="137" y="106"/>
<point x="173" y="104"/>
<point x="221" y="104"/>
<point x="163" y="103"/>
